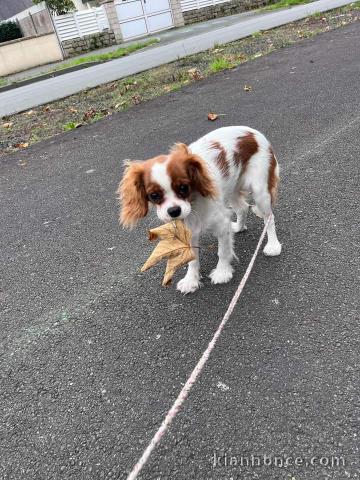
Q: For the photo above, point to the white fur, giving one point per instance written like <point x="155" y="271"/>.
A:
<point x="205" y="214"/>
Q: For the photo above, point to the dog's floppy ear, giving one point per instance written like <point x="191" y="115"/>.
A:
<point x="196" y="170"/>
<point x="200" y="177"/>
<point x="132" y="195"/>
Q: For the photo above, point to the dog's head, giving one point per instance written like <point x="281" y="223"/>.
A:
<point x="169" y="182"/>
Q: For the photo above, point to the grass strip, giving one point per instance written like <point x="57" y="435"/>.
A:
<point x="286" y="3"/>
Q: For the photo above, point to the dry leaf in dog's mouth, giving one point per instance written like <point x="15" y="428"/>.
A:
<point x="175" y="245"/>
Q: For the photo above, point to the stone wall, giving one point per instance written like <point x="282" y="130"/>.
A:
<point x="76" y="46"/>
<point x="222" y="10"/>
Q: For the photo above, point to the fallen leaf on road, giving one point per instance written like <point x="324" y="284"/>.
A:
<point x="21" y="145"/>
<point x="7" y="125"/>
<point x="47" y="109"/>
<point x="78" y="125"/>
<point x="248" y="88"/>
<point x="89" y="114"/>
<point x="72" y="110"/>
<point x="212" y="116"/>
<point x="195" y="74"/>
<point x="30" y="112"/>
<point x="137" y="99"/>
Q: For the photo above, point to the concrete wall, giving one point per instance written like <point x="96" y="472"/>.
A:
<point x="222" y="10"/>
<point x="34" y="24"/>
<point x="76" y="46"/>
<point x="24" y="53"/>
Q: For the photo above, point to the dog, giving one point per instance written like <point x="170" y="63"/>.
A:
<point x="198" y="183"/>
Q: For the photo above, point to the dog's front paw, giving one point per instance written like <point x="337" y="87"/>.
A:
<point x="188" y="285"/>
<point x="221" y="274"/>
<point x="272" y="249"/>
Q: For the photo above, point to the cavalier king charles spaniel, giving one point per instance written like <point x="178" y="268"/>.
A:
<point x="198" y="183"/>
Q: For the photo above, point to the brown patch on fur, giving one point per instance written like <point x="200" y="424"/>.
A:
<point x="153" y="187"/>
<point x="189" y="169"/>
<point x="273" y="179"/>
<point x="246" y="147"/>
<point x="221" y="159"/>
<point x="134" y="189"/>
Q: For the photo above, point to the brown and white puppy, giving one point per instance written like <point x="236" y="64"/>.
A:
<point x="198" y="183"/>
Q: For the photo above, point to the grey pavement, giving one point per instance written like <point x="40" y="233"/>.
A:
<point x="93" y="353"/>
<point x="35" y="94"/>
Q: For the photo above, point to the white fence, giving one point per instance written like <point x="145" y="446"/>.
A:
<point x="79" y="24"/>
<point x="187" y="5"/>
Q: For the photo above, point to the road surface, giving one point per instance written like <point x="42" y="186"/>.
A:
<point x="93" y="353"/>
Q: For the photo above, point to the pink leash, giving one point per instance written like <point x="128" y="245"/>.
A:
<point x="199" y="367"/>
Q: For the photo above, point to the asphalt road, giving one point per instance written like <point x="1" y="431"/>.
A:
<point x="93" y="353"/>
<point x="39" y="93"/>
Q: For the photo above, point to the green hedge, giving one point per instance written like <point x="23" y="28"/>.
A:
<point x="9" y="31"/>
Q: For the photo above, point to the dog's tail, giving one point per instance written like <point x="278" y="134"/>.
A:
<point x="273" y="177"/>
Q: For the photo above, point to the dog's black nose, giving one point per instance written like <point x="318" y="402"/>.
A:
<point x="174" y="211"/>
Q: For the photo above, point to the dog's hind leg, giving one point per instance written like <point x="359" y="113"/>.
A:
<point x="263" y="208"/>
<point x="241" y="208"/>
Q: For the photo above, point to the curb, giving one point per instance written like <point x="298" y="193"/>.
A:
<point x="45" y="76"/>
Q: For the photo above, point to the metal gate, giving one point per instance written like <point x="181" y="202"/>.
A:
<point x="142" y="17"/>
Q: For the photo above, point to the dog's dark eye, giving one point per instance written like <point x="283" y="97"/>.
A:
<point x="183" y="190"/>
<point x="155" y="197"/>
